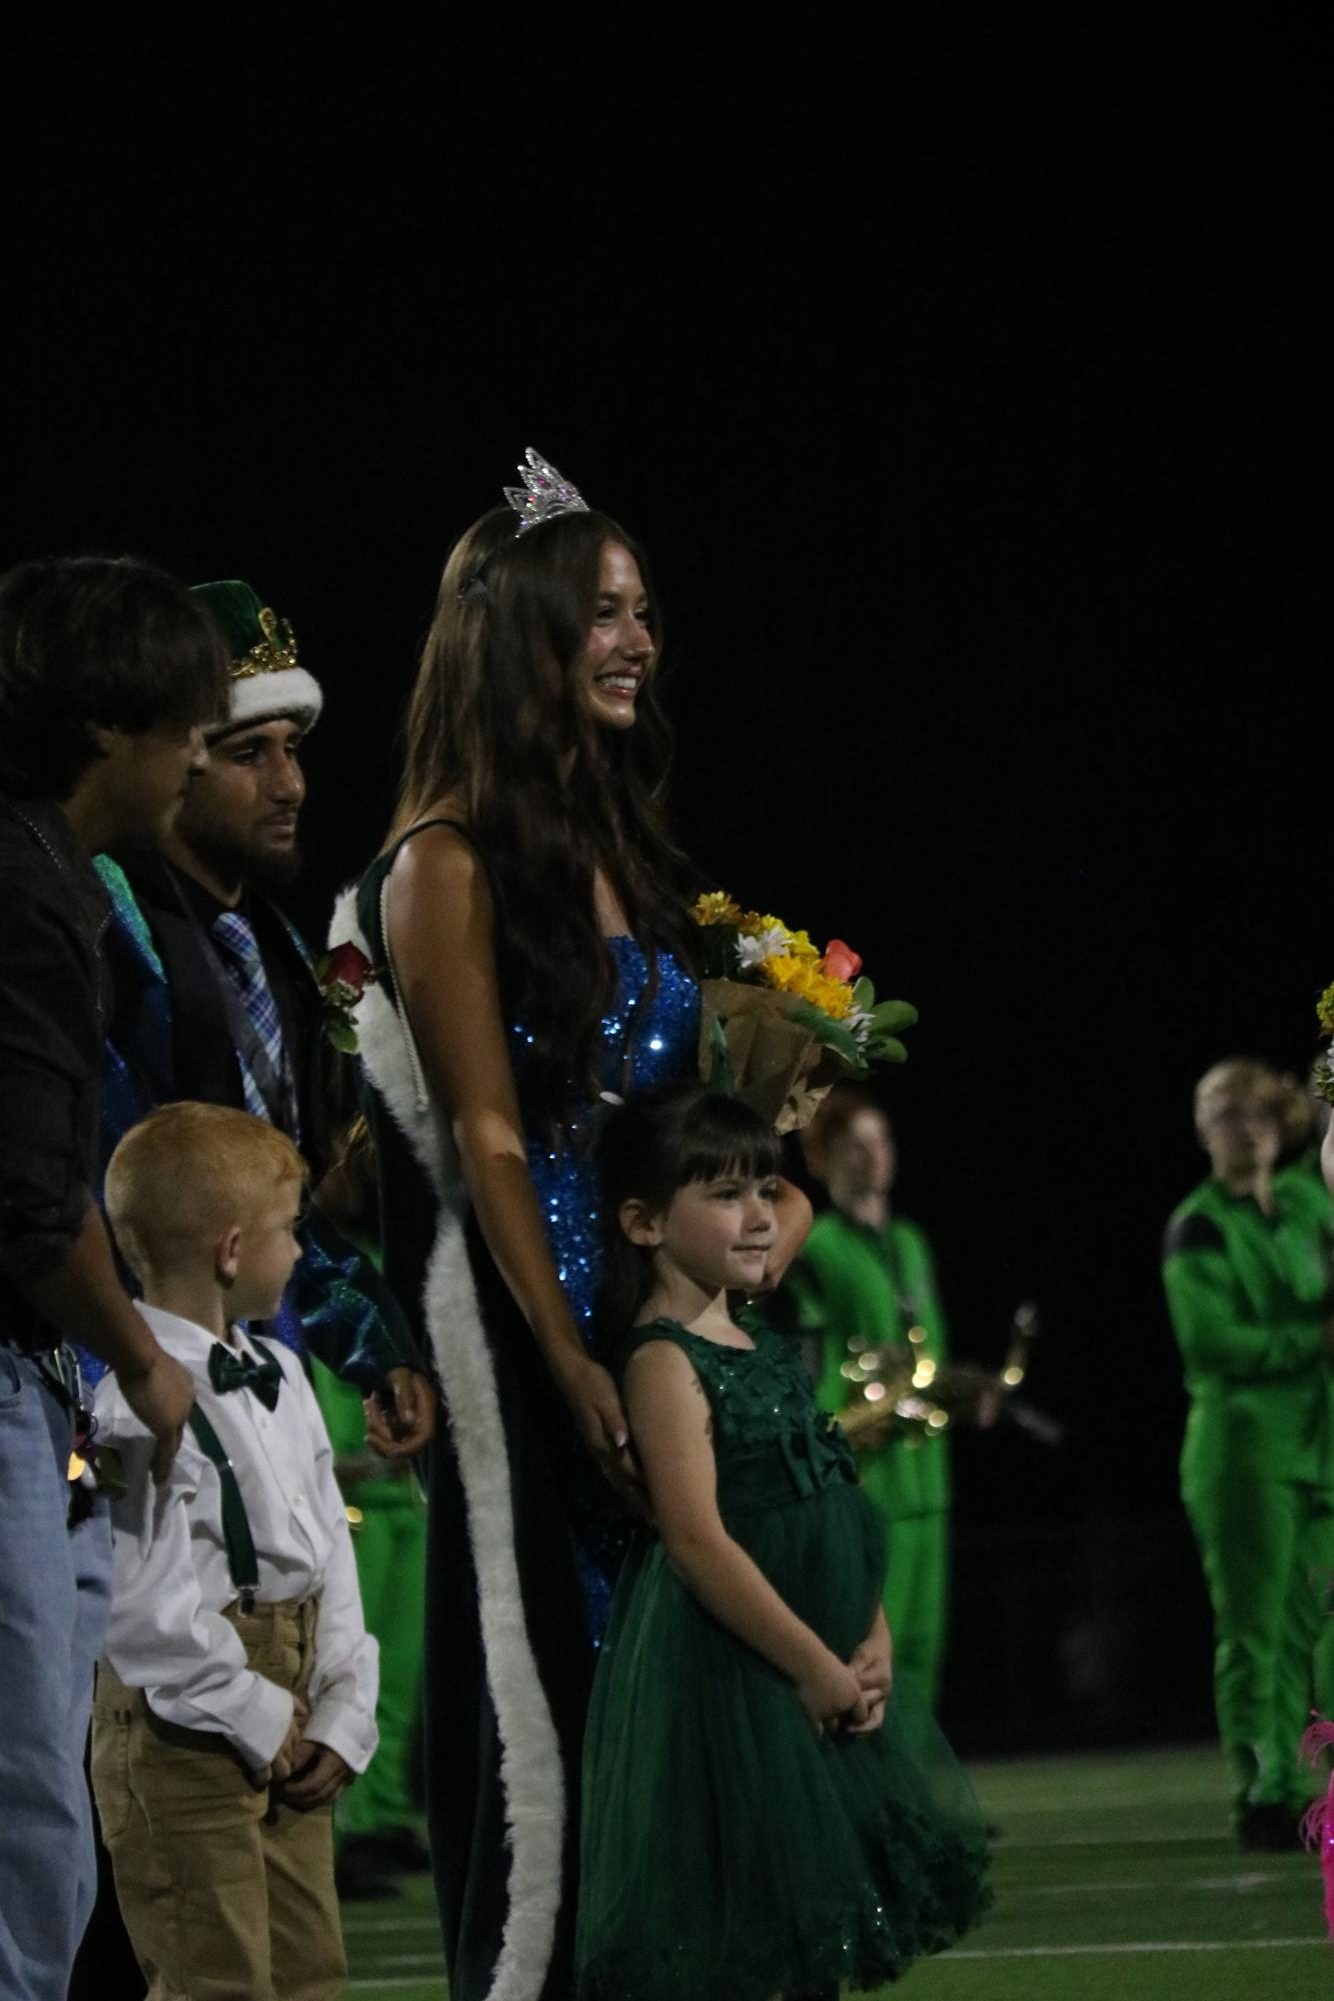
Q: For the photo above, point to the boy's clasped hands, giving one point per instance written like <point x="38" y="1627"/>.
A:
<point x="849" y="1697"/>
<point x="303" y="1775"/>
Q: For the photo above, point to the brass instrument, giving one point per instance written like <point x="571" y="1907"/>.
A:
<point x="898" y="1388"/>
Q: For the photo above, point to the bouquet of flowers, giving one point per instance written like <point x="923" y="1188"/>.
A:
<point x="783" y="1021"/>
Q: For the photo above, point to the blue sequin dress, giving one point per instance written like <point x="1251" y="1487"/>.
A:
<point x="661" y="1047"/>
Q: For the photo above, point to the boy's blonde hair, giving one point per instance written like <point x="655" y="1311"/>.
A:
<point x="186" y="1173"/>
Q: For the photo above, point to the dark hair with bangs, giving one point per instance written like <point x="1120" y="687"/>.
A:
<point x="496" y="719"/>
<point x="89" y="640"/>
<point x="655" y="1143"/>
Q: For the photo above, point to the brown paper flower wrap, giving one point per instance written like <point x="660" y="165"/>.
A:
<point x="773" y="1063"/>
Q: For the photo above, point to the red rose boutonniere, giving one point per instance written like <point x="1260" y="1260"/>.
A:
<point x="342" y="976"/>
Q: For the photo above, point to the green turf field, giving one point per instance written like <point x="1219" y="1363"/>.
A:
<point x="1115" y="1881"/>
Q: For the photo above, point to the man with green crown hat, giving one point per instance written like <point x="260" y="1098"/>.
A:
<point x="216" y="998"/>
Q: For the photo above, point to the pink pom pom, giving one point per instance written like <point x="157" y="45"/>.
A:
<point x="1315" y="1739"/>
<point x="1317" y="1828"/>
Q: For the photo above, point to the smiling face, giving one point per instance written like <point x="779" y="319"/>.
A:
<point x="617" y="653"/>
<point x="717" y="1233"/>
<point x="240" y="816"/>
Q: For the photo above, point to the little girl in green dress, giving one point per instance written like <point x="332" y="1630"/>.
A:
<point x="764" y="1813"/>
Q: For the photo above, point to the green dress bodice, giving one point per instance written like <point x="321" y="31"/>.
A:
<point x="771" y="1444"/>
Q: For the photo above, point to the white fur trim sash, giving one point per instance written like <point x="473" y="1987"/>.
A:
<point x="531" y="1775"/>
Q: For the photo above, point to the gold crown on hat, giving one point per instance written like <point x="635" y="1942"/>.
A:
<point x="273" y="654"/>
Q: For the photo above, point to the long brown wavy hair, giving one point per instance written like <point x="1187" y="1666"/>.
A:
<point x="496" y="718"/>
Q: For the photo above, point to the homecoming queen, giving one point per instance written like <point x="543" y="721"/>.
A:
<point x="529" y="920"/>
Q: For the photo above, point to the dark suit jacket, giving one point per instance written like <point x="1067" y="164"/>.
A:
<point x="171" y="1037"/>
<point x="201" y="1061"/>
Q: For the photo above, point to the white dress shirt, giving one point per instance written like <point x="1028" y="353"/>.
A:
<point x="171" y="1578"/>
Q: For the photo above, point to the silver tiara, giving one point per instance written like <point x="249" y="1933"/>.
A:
<point x="544" y="493"/>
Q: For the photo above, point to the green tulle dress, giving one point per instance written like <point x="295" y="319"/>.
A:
<point x="727" y="1850"/>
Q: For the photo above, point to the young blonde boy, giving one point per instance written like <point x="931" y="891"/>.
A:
<point x="236" y="1696"/>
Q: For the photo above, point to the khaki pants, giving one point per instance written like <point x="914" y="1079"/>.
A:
<point x="225" y="1898"/>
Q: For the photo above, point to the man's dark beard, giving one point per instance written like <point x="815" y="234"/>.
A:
<point x="256" y="867"/>
<point x="270" y="870"/>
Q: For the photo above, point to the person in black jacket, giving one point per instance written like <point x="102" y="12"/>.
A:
<point x="108" y="671"/>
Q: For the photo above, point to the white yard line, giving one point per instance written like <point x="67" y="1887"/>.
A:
<point x="1012" y="1844"/>
<point x="427" y="1967"/>
<point x="1239" y="1884"/>
<point x="1139" y="1946"/>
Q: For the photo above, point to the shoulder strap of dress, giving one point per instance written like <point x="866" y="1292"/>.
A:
<point x="385" y="860"/>
<point x="652" y="1330"/>
<point x="437" y="820"/>
<point x="748" y="1316"/>
<point x="370" y="890"/>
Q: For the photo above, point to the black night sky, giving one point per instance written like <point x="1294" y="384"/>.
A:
<point x="962" y="382"/>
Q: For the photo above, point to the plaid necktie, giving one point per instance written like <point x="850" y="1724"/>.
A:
<point x="242" y="960"/>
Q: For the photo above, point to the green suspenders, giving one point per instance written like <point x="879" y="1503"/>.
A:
<point x="241" y="1559"/>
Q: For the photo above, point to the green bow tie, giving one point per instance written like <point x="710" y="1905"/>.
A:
<point x="227" y="1371"/>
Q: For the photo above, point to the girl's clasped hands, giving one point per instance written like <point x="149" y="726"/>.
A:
<point x="850" y="1697"/>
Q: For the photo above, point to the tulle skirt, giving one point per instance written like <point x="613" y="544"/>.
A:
<point x="726" y="1849"/>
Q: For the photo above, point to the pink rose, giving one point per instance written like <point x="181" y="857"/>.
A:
<point x="840" y="961"/>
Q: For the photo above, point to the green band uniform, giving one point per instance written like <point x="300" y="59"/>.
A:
<point x="1248" y="1296"/>
<point x="858" y="1284"/>
<point x="389" y="1543"/>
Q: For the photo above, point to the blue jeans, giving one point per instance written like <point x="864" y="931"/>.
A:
<point x="53" y="1598"/>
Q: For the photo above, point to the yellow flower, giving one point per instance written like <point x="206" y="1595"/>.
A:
<point x="716" y="908"/>
<point x="784" y="973"/>
<point x="799" y="977"/>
